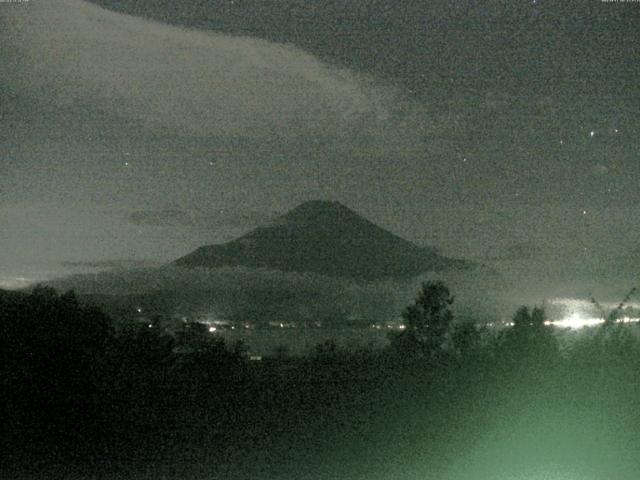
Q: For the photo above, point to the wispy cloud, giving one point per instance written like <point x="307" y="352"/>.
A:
<point x="197" y="218"/>
<point x="514" y="252"/>
<point x="192" y="82"/>
<point x="110" y="264"/>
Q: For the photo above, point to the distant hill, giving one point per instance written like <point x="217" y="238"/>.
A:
<point x="326" y="238"/>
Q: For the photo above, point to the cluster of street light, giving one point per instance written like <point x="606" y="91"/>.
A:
<point x="576" y="321"/>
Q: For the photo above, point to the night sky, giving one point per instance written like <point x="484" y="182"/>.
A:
<point x="499" y="131"/>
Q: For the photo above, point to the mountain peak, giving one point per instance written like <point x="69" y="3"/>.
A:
<point x="323" y="237"/>
<point x="319" y="211"/>
<point x="320" y="207"/>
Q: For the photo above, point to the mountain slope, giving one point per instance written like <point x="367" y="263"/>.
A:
<point x="325" y="238"/>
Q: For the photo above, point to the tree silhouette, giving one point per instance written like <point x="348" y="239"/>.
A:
<point x="613" y="338"/>
<point x="467" y="339"/>
<point x="427" y="321"/>
<point x="51" y="349"/>
<point x="613" y="316"/>
<point x="530" y="338"/>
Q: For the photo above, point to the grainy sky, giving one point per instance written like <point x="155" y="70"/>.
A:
<point x="493" y="130"/>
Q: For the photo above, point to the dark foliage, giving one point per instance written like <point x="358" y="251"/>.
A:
<point x="79" y="398"/>
<point x="428" y="322"/>
<point x="530" y="339"/>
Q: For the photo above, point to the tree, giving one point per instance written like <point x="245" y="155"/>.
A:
<point x="467" y="339"/>
<point x="428" y="320"/>
<point x="51" y="351"/>
<point x="530" y="338"/>
<point x="612" y="336"/>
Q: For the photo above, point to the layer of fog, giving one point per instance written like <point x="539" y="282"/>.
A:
<point x="240" y="293"/>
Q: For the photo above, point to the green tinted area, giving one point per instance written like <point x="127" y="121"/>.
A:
<point x="84" y="399"/>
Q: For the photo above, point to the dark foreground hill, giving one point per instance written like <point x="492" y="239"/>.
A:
<point x="325" y="238"/>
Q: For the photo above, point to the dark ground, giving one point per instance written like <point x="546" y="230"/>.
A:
<point x="82" y="402"/>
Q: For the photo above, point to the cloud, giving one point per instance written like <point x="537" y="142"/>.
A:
<point x="118" y="108"/>
<point x="71" y="53"/>
<point x="515" y="252"/>
<point x="197" y="218"/>
<point x="600" y="170"/>
<point x="162" y="218"/>
<point x="109" y="264"/>
<point x="261" y="295"/>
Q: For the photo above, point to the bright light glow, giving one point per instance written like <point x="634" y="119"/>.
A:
<point x="628" y="320"/>
<point x="212" y="329"/>
<point x="576" y="321"/>
<point x="15" y="283"/>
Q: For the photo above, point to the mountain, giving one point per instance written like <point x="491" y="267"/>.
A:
<point x="326" y="238"/>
